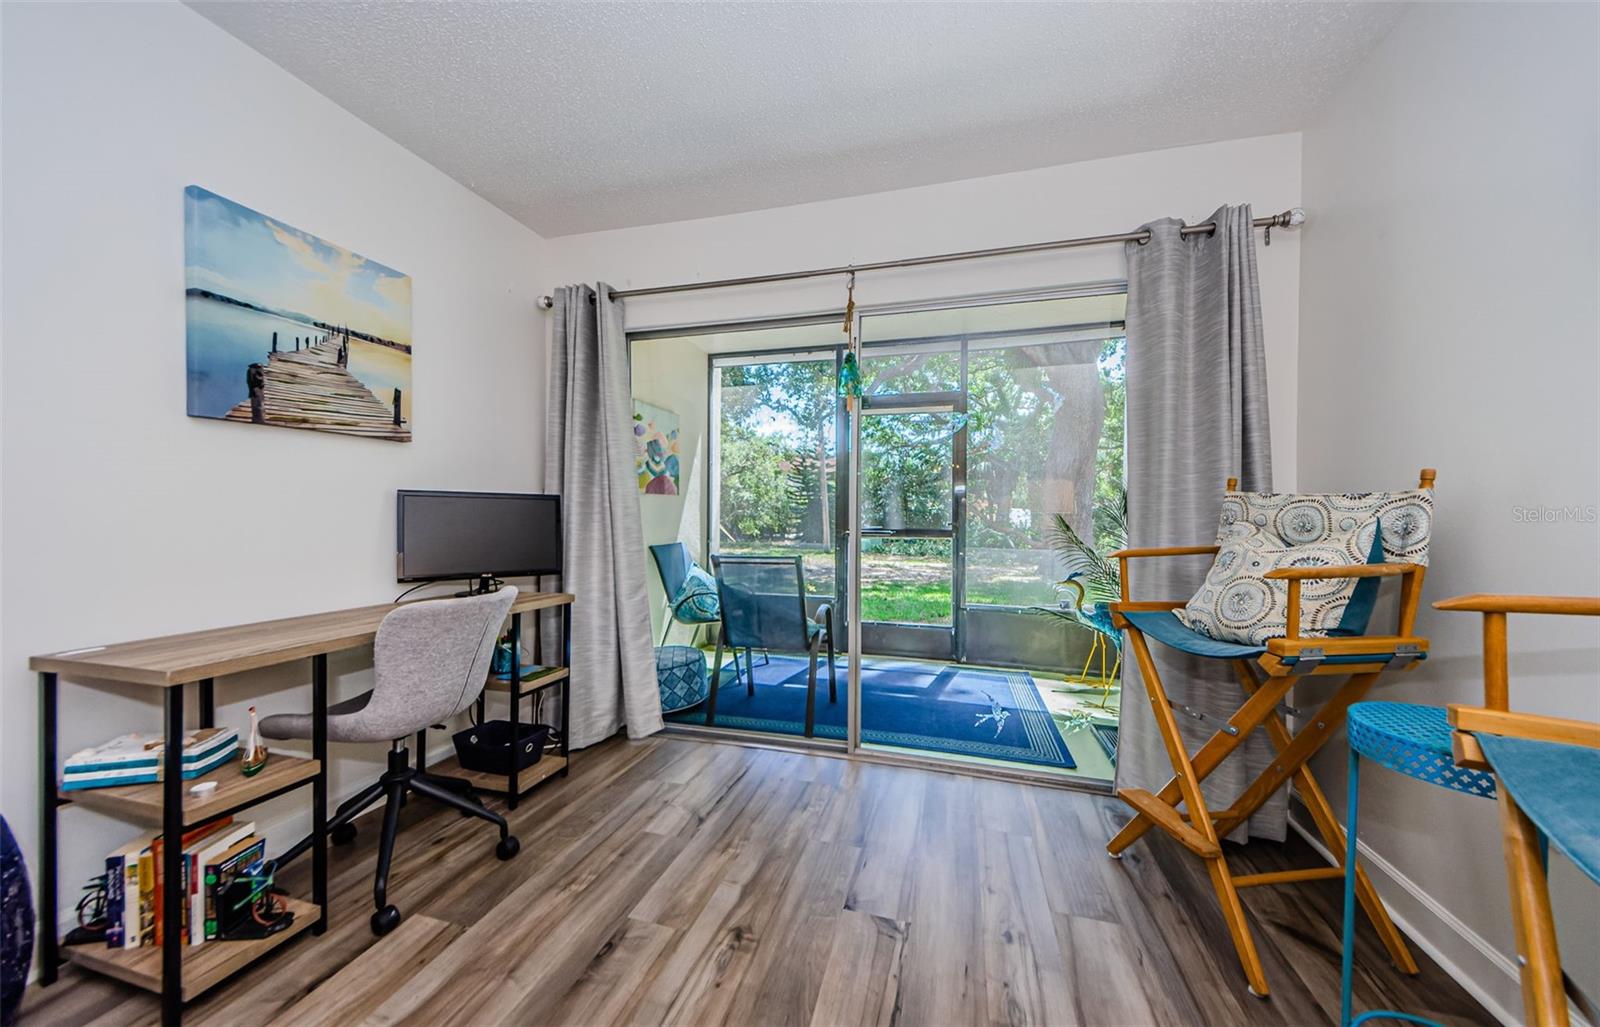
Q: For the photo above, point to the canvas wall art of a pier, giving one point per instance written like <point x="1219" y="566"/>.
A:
<point x="289" y="330"/>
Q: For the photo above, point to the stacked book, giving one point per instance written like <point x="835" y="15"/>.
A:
<point x="215" y="855"/>
<point x="136" y="759"/>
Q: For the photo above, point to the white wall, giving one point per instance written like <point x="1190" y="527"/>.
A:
<point x="1092" y="198"/>
<point x="122" y="517"/>
<point x="672" y="374"/>
<point x="1449" y="319"/>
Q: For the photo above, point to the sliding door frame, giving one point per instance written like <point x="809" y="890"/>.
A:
<point x="850" y="423"/>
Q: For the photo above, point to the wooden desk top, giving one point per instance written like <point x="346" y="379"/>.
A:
<point x="196" y="655"/>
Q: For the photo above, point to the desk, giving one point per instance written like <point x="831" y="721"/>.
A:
<point x="170" y="664"/>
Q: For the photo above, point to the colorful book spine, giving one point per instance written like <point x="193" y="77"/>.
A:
<point x="187" y="842"/>
<point x="114" y="884"/>
<point x="130" y="899"/>
<point x="221" y="874"/>
<point x="147" y="898"/>
<point x="202" y="856"/>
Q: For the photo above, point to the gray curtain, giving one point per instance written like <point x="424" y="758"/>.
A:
<point x="589" y="461"/>
<point x="1196" y="416"/>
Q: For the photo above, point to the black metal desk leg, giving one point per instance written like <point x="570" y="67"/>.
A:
<point x="49" y="944"/>
<point x="516" y="706"/>
<point x="172" y="859"/>
<point x="319" y="790"/>
<point x="566" y="686"/>
<point x="208" y="703"/>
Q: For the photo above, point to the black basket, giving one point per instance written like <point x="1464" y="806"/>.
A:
<point x="486" y="747"/>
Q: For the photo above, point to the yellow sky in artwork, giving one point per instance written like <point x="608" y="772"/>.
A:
<point x="330" y="295"/>
<point x="247" y="256"/>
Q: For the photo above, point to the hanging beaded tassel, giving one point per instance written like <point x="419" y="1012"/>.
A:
<point x="850" y="371"/>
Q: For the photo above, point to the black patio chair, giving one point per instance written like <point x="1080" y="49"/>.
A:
<point x="764" y="607"/>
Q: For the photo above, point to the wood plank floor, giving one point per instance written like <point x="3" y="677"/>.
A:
<point x="687" y="882"/>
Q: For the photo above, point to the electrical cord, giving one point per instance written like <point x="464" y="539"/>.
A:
<point x="413" y="588"/>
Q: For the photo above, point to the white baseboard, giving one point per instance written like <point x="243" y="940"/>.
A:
<point x="1487" y="974"/>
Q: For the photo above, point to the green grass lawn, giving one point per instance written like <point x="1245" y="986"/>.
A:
<point x="928" y="602"/>
<point x="897" y="588"/>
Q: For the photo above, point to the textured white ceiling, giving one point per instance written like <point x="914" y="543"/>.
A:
<point x="575" y="117"/>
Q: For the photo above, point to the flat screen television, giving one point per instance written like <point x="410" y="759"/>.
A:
<point x="476" y="535"/>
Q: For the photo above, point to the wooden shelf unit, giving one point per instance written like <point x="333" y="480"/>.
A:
<point x="550" y="676"/>
<point x="548" y="766"/>
<point x="142" y="802"/>
<point x="172" y="664"/>
<point x="203" y="966"/>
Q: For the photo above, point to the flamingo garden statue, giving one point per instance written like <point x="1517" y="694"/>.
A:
<point x="1097" y="618"/>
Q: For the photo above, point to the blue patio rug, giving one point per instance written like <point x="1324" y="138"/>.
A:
<point x="996" y="714"/>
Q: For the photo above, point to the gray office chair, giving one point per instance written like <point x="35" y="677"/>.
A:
<point x="431" y="660"/>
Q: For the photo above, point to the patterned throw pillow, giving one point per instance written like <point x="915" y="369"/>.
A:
<point x="1238" y="603"/>
<point x="1328" y="517"/>
<point x="696" y="601"/>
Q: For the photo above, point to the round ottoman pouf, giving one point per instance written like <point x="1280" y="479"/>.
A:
<point x="16" y="933"/>
<point x="681" y="674"/>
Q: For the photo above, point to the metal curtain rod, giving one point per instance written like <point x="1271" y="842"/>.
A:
<point x="1288" y="219"/>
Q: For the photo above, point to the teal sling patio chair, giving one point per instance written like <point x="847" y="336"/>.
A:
<point x="764" y="607"/>
<point x="697" y="609"/>
<point x="1332" y="598"/>
<point x="1545" y="770"/>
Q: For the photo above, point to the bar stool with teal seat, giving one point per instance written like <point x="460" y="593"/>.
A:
<point x="1411" y="740"/>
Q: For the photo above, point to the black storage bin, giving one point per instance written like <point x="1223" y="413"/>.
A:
<point x="486" y="747"/>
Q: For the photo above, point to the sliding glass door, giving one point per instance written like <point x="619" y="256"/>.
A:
<point x="991" y="471"/>
<point x="987" y="468"/>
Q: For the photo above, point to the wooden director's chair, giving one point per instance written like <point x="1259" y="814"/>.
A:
<point x="1546" y="773"/>
<point x="1266" y="673"/>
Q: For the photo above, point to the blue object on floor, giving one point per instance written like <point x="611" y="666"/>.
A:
<point x="1411" y="740"/>
<point x="1555" y="786"/>
<point x="16" y="932"/>
<point x="1106" y="735"/>
<point x="995" y="714"/>
<point x="681" y="675"/>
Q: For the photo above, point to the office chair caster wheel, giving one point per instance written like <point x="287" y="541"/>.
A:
<point x="344" y="834"/>
<point x="508" y="847"/>
<point x="385" y="920"/>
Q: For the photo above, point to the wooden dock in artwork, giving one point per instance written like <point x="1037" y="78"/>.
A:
<point x="313" y="388"/>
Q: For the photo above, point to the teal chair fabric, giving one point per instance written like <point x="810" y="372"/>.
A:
<point x="1558" y="787"/>
<point x="691" y="593"/>
<point x="1167" y="629"/>
<point x="672" y="563"/>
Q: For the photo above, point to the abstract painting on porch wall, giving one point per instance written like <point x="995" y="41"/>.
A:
<point x="655" y="449"/>
<point x="287" y="329"/>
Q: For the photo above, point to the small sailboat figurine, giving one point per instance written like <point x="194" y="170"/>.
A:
<point x="255" y="752"/>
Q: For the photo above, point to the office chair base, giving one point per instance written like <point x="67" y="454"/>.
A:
<point x="385" y="920"/>
<point x="391" y="789"/>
